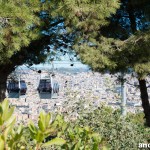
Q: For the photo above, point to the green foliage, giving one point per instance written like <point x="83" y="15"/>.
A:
<point x="44" y="129"/>
<point x="77" y="137"/>
<point x="101" y="128"/>
<point x="7" y="122"/>
<point x="15" y="27"/>
<point x="23" y="24"/>
<point x="11" y="138"/>
<point x="47" y="134"/>
<point x="119" y="132"/>
<point x="136" y="42"/>
<point x="86" y="15"/>
<point x="82" y="138"/>
<point x="99" y="56"/>
<point x="122" y="44"/>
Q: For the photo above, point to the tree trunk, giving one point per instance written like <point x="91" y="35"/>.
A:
<point x="3" y="86"/>
<point x="5" y="70"/>
<point x="142" y="83"/>
<point x="145" y="101"/>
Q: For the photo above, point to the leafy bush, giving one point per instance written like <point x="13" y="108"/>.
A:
<point x="121" y="133"/>
<point x="78" y="138"/>
<point x="45" y="134"/>
<point x="83" y="138"/>
<point x="82" y="133"/>
<point x="12" y="139"/>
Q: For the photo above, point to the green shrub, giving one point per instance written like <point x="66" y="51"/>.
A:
<point x="13" y="139"/>
<point x="78" y="138"/>
<point x="45" y="134"/>
<point x="96" y="129"/>
<point x="120" y="133"/>
<point x="82" y="138"/>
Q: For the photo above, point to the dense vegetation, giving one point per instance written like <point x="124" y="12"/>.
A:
<point x="101" y="32"/>
<point x="101" y="128"/>
<point x="29" y="30"/>
<point x="123" y="45"/>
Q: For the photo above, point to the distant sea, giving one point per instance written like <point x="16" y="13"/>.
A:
<point x="62" y="67"/>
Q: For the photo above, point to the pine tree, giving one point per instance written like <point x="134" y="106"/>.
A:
<point x="123" y="44"/>
<point x="27" y="28"/>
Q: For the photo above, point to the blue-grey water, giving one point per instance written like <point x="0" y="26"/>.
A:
<point x="60" y="66"/>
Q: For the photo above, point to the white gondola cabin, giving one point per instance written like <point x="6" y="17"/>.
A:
<point x="17" y="87"/>
<point x="48" y="85"/>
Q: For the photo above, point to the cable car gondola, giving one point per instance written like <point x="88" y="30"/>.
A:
<point x="47" y="85"/>
<point x="17" y="86"/>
